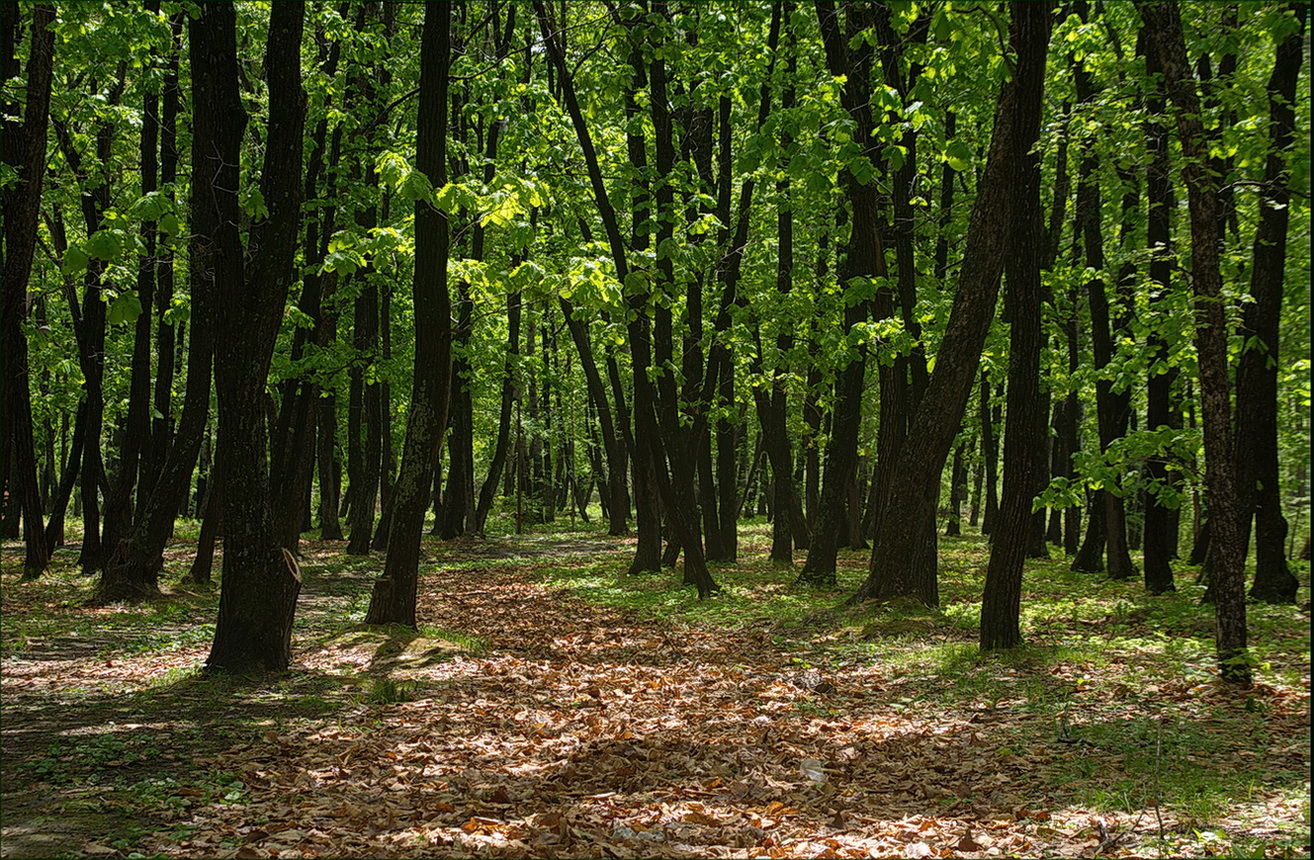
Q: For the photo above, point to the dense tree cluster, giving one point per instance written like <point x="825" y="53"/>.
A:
<point x="853" y="265"/>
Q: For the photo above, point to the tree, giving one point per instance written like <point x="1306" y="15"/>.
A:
<point x="1226" y="547"/>
<point x="261" y="579"/>
<point x="1025" y="434"/>
<point x="24" y="151"/>
<point x="864" y="261"/>
<point x="1257" y="374"/>
<point x="394" y="593"/>
<point x="901" y="563"/>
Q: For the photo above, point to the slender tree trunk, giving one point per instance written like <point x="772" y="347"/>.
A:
<point x="212" y="518"/>
<point x="990" y="453"/>
<point x="394" y="595"/>
<point x="1025" y="466"/>
<point x="1257" y="376"/>
<point x="864" y="258"/>
<point x="1159" y="520"/>
<point x="118" y="503"/>
<point x="1226" y="551"/>
<point x="166" y="332"/>
<point x="330" y="468"/>
<point x="23" y="150"/>
<point x="509" y="395"/>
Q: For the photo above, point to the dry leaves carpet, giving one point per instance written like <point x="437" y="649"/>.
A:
<point x="556" y="727"/>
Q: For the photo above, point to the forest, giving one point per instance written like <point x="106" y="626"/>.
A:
<point x="655" y="428"/>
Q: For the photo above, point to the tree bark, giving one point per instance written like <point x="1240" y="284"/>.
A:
<point x="394" y="596"/>
<point x="900" y="564"/>
<point x="261" y="580"/>
<point x="24" y="150"/>
<point x="864" y="261"/>
<point x="1159" y="519"/>
<point x="1257" y="375"/>
<point x="1226" y="544"/>
<point x="1025" y="467"/>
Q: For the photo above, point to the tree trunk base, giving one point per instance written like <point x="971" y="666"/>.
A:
<point x="127" y="579"/>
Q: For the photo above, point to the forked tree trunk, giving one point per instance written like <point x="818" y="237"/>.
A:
<point x="900" y="563"/>
<point x="261" y="580"/>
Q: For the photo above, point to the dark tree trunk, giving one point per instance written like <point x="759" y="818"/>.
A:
<point x="261" y="580"/>
<point x="364" y="499"/>
<point x="212" y="518"/>
<point x="133" y="573"/>
<point x="294" y="443"/>
<point x="1109" y="405"/>
<point x="989" y="413"/>
<point x="1160" y="522"/>
<point x="498" y="462"/>
<point x="394" y="595"/>
<point x="166" y="333"/>
<point x="617" y="512"/>
<point x="864" y="258"/>
<point x="1257" y="376"/>
<point x="1227" y="548"/>
<point x="957" y="492"/>
<point x="67" y="479"/>
<point x="90" y="328"/>
<point x="118" y="503"/>
<point x="1025" y="465"/>
<point x="330" y="468"/>
<point x="901" y="563"/>
<point x="24" y="150"/>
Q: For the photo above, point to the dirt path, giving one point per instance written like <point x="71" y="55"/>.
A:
<point x="589" y="732"/>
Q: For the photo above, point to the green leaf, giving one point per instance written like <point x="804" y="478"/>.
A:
<point x="75" y="262"/>
<point x="959" y="155"/>
<point x="105" y="245"/>
<point x="151" y="206"/>
<point x="168" y="224"/>
<point x="940" y="27"/>
<point x="124" y="309"/>
<point x="416" y="186"/>
<point x="253" y="203"/>
<point x="862" y="169"/>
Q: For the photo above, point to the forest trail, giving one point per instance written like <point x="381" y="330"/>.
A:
<point x="585" y="731"/>
<point x="523" y="721"/>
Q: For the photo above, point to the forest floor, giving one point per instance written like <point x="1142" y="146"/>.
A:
<point x="550" y="706"/>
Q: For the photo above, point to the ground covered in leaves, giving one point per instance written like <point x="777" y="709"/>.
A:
<point x="550" y="707"/>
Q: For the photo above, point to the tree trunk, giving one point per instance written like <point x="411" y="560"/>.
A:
<point x="166" y="332"/>
<point x="864" y="259"/>
<point x="1025" y="466"/>
<point x="1111" y="415"/>
<point x="901" y="564"/>
<point x="990" y="453"/>
<point x="1226" y="545"/>
<point x="957" y="493"/>
<point x="498" y="462"/>
<point x="1257" y="376"/>
<point x="394" y="596"/>
<point x="261" y="580"/>
<point x="1160" y="524"/>
<point x="24" y="150"/>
